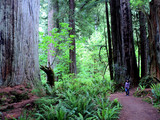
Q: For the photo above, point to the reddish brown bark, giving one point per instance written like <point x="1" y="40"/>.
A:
<point x="127" y="39"/>
<point x="154" y="38"/>
<point x="116" y="38"/>
<point x="123" y="44"/>
<point x="143" y="39"/>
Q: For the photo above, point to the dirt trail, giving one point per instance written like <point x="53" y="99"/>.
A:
<point x="134" y="108"/>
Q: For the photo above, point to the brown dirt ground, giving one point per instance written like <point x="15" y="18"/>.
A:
<point x="13" y="101"/>
<point x="134" y="108"/>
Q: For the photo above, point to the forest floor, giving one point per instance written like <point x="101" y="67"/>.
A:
<point x="13" y="101"/>
<point x="134" y="108"/>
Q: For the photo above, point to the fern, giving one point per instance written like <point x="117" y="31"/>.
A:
<point x="156" y="91"/>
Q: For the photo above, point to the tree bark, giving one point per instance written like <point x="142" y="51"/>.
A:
<point x="19" y="21"/>
<point x="123" y="43"/>
<point x="109" y="43"/>
<point x="143" y="39"/>
<point x="50" y="74"/>
<point x="116" y="39"/>
<point x="53" y="22"/>
<point x="129" y="50"/>
<point x="154" y="38"/>
<point x="72" y="52"/>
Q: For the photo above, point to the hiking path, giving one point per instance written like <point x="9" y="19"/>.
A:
<point x="134" y="108"/>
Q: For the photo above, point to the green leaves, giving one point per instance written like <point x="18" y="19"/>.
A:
<point x="72" y="36"/>
<point x="76" y="99"/>
<point x="56" y="45"/>
<point x="156" y="91"/>
<point x="139" y="3"/>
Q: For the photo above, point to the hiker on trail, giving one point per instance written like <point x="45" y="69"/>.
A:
<point x="127" y="85"/>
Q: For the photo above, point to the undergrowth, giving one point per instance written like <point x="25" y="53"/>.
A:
<point x="152" y="97"/>
<point x="76" y="99"/>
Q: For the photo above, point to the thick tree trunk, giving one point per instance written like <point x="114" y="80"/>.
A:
<point x="72" y="52"/>
<point x="143" y="39"/>
<point x="154" y="38"/>
<point x="109" y="43"/>
<point x="19" y="21"/>
<point x="129" y="50"/>
<point x="122" y="39"/>
<point x="117" y="41"/>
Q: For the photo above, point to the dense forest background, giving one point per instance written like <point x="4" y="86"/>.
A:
<point x="75" y="53"/>
<point x="111" y="40"/>
<point x="89" y="39"/>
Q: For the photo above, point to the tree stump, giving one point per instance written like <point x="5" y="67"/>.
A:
<point x="50" y="74"/>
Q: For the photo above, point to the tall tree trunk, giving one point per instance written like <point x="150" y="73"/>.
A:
<point x="109" y="43"/>
<point x="72" y="52"/>
<point x="116" y="38"/>
<point x="53" y="22"/>
<point x="19" y="21"/>
<point x="127" y="33"/>
<point x="122" y="39"/>
<point x="154" y="38"/>
<point x="143" y="39"/>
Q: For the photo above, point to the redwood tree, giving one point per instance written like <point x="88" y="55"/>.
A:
<point x="143" y="39"/>
<point x="72" y="52"/>
<point x="123" y="43"/>
<point x="154" y="38"/>
<point x="116" y="37"/>
<point x="19" y="21"/>
<point x="127" y="39"/>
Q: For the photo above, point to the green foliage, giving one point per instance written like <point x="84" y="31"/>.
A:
<point x="77" y="99"/>
<point x="139" y="3"/>
<point x="61" y="41"/>
<point x="88" y="42"/>
<point x="39" y="91"/>
<point x="43" y="26"/>
<point x="156" y="92"/>
<point x="141" y="92"/>
<point x="147" y="81"/>
<point x="142" y="88"/>
<point x="108" y="111"/>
